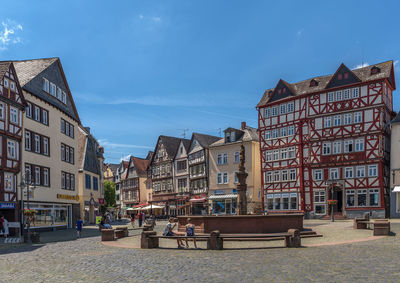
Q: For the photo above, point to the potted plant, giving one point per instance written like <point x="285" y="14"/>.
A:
<point x="35" y="237"/>
<point x="332" y="201"/>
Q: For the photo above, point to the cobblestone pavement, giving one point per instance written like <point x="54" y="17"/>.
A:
<point x="87" y="260"/>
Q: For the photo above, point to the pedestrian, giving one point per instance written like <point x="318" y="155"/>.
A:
<point x="190" y="232"/>
<point x="108" y="218"/>
<point x="140" y="218"/>
<point x="119" y="216"/>
<point x="2" y="226"/>
<point x="79" y="227"/>
<point x="169" y="233"/>
<point x="133" y="220"/>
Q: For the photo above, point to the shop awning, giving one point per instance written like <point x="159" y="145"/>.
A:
<point x="152" y="207"/>
<point x="197" y="199"/>
<point x="223" y="196"/>
<point x="396" y="189"/>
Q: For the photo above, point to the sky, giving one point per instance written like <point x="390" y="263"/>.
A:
<point x="140" y="69"/>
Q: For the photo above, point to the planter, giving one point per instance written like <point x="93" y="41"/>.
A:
<point x="35" y="237"/>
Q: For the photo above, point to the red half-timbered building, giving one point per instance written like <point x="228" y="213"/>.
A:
<point x="12" y="105"/>
<point x="328" y="138"/>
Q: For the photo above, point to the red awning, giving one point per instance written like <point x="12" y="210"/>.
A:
<point x="140" y="205"/>
<point x="197" y="200"/>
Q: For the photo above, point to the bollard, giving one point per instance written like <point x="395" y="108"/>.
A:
<point x="215" y="242"/>
<point x="294" y="241"/>
<point x="148" y="243"/>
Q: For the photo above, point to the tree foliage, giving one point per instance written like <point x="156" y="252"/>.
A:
<point x="109" y="193"/>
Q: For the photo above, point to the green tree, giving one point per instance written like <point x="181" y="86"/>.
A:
<point x="109" y="193"/>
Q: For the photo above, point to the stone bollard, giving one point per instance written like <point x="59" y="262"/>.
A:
<point x="294" y="241"/>
<point x="126" y="232"/>
<point x="149" y="243"/>
<point x="215" y="242"/>
<point x="108" y="235"/>
<point x="147" y="227"/>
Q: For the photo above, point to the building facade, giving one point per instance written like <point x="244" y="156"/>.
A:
<point x="162" y="173"/>
<point x="224" y="165"/>
<point x="90" y="175"/>
<point x="198" y="159"/>
<point x="395" y="168"/>
<point x="50" y="143"/>
<point x="11" y="111"/>
<point x="181" y="179"/>
<point x="110" y="171"/>
<point x="327" y="138"/>
<point x="119" y="177"/>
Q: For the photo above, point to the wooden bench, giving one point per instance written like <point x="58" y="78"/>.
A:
<point x="215" y="240"/>
<point x="113" y="234"/>
<point x="381" y="226"/>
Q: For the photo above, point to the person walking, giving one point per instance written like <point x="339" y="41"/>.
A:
<point x="79" y="227"/>
<point x="133" y="220"/>
<point x="140" y="218"/>
<point x="3" y="226"/>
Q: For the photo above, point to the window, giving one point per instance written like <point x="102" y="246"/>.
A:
<point x="348" y="172"/>
<point x="219" y="178"/>
<point x="290" y="107"/>
<point x="284" y="175"/>
<point x="46" y="85"/>
<point x="37" y="113"/>
<point x="357" y="117"/>
<point x="293" y="201"/>
<point x="13" y="115"/>
<point x="267" y="112"/>
<point x="350" y="200"/>
<point x="53" y="89"/>
<point x="276" y="154"/>
<point x="283" y="132"/>
<point x="64" y="97"/>
<point x="285" y="201"/>
<point x="348" y="146"/>
<point x="68" y="181"/>
<point x="225" y="158"/>
<point x="339" y="95"/>
<point x="274" y="134"/>
<point x="276" y="176"/>
<point x="59" y="94"/>
<point x="11" y="149"/>
<point x="290" y="131"/>
<point x="28" y="110"/>
<point x="8" y="182"/>
<point x="283" y="109"/>
<point x="219" y="159"/>
<point x="347" y="118"/>
<point x="337" y="120"/>
<point x="2" y="111"/>
<point x="274" y="111"/>
<point x="268" y="177"/>
<point x="268" y="155"/>
<point x="292" y="152"/>
<point x="362" y="197"/>
<point x="237" y="157"/>
<point x="292" y="174"/>
<point x="355" y="92"/>
<point x="360" y="171"/>
<point x="319" y="196"/>
<point x="67" y="128"/>
<point x="46" y="177"/>
<point x="331" y="96"/>
<point x="45" y="146"/>
<point x="45" y="119"/>
<point x="372" y="170"/>
<point x="333" y="173"/>
<point x="37" y="143"/>
<point x="88" y="184"/>
<point x="284" y="152"/>
<point x="37" y="175"/>
<point x="28" y="143"/>
<point x="225" y="178"/>
<point x="267" y="135"/>
<point x="236" y="180"/>
<point x="181" y="165"/>
<point x="347" y="94"/>
<point x="337" y="147"/>
<point x="95" y="184"/>
<point x="277" y="201"/>
<point x="5" y="83"/>
<point x="326" y="148"/>
<point x="359" y="145"/>
<point x="318" y="175"/>
<point x="373" y="197"/>
<point x="327" y="122"/>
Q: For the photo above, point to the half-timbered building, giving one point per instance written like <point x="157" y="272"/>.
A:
<point x="11" y="110"/>
<point x="326" y="138"/>
<point x="181" y="178"/>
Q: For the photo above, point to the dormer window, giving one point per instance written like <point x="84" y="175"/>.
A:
<point x="279" y="91"/>
<point x="53" y="89"/>
<point x="233" y="136"/>
<point x="340" y="76"/>
<point x="346" y="75"/>
<point x="313" y="83"/>
<point x="46" y="87"/>
<point x="375" y="70"/>
<point x="227" y="137"/>
<point x="5" y="83"/>
<point x="284" y="90"/>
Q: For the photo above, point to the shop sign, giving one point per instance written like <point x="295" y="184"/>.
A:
<point x="14" y="225"/>
<point x="101" y="200"/>
<point x="234" y="191"/>
<point x="219" y="192"/>
<point x="7" y="205"/>
<point x="68" y="197"/>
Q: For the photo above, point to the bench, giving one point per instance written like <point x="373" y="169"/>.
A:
<point x="113" y="234"/>
<point x="381" y="226"/>
<point x="215" y="240"/>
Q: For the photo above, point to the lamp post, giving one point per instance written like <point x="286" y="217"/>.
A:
<point x="26" y="183"/>
<point x="332" y="215"/>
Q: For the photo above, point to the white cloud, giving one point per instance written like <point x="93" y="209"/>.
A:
<point x="362" y="65"/>
<point x="299" y="33"/>
<point x="125" y="158"/>
<point x="105" y="143"/>
<point x="154" y="19"/>
<point x="396" y="64"/>
<point x="8" y="33"/>
<point x="141" y="17"/>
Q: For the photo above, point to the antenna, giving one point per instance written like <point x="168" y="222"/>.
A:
<point x="184" y="132"/>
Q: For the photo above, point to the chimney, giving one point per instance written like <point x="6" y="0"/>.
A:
<point x="243" y="125"/>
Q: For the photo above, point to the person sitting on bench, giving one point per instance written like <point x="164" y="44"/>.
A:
<point x="190" y="233"/>
<point x="103" y="224"/>
<point x="169" y="233"/>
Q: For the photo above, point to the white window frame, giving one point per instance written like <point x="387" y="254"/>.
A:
<point x="2" y="111"/>
<point x="219" y="178"/>
<point x="225" y="178"/>
<point x="355" y="92"/>
<point x="333" y="173"/>
<point x="327" y="122"/>
<point x="268" y="177"/>
<point x="45" y="146"/>
<point x="274" y="134"/>
<point x="28" y="140"/>
<point x="357" y="117"/>
<point x="290" y="130"/>
<point x="284" y="153"/>
<point x="45" y="118"/>
<point x="318" y="175"/>
<point x="373" y="170"/>
<point x="337" y="120"/>
<point x="219" y="159"/>
<point x="285" y="175"/>
<point x="330" y="97"/>
<point x="12" y="149"/>
<point x="291" y="152"/>
<point x="46" y="85"/>
<point x="326" y="148"/>
<point x="267" y="135"/>
<point x="275" y="154"/>
<point x="276" y="176"/>
<point x="274" y="111"/>
<point x="346" y="145"/>
<point x="346" y="94"/>
<point x="12" y="86"/>
<point x="337" y="147"/>
<point x="349" y="172"/>
<point x="225" y="158"/>
<point x="283" y="132"/>
<point x="347" y="118"/>
<point x="339" y="95"/>
<point x="292" y="174"/>
<point x="267" y="113"/>
<point x="14" y="115"/>
<point x="360" y="171"/>
<point x="290" y="107"/>
<point x="359" y="145"/>
<point x="237" y="157"/>
<point x="283" y="109"/>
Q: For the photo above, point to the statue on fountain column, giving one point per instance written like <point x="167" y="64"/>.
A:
<point x="242" y="186"/>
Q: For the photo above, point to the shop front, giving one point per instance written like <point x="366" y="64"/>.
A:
<point x="199" y="205"/>
<point x="91" y="210"/>
<point x="223" y="204"/>
<point x="51" y="215"/>
<point x="10" y="212"/>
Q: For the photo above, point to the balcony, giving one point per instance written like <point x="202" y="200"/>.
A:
<point x="183" y="190"/>
<point x="200" y="190"/>
<point x="197" y="174"/>
<point x="197" y="160"/>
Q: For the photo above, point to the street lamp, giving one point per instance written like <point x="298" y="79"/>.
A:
<point x="26" y="182"/>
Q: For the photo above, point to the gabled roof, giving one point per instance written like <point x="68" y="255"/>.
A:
<point x="140" y="165"/>
<point x="396" y="119"/>
<point x="204" y="140"/>
<point x="363" y="74"/>
<point x="249" y="134"/>
<point x="4" y="66"/>
<point x="171" y="145"/>
<point x="28" y="70"/>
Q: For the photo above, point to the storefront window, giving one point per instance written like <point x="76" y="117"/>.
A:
<point x="285" y="201"/>
<point x="224" y="206"/>
<point x="277" y="201"/>
<point x="270" y="201"/>
<point x="320" y="209"/>
<point x="350" y="198"/>
<point x="374" y="197"/>
<point x="49" y="215"/>
<point x="362" y="197"/>
<point x="293" y="201"/>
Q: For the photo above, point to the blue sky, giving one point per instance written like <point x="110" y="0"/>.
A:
<point x="140" y="69"/>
